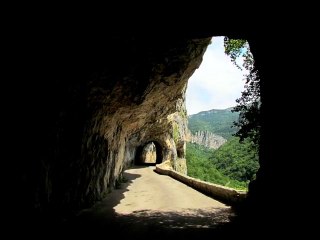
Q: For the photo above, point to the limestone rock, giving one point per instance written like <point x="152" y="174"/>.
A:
<point x="99" y="103"/>
<point x="207" y="139"/>
<point x="133" y="101"/>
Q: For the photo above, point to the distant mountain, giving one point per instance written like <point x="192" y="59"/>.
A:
<point x="217" y="121"/>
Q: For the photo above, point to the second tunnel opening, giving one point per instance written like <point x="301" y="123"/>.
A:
<point x="149" y="154"/>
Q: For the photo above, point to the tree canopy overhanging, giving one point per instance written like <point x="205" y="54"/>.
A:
<point x="249" y="104"/>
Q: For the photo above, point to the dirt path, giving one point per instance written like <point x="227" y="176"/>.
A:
<point x="154" y="205"/>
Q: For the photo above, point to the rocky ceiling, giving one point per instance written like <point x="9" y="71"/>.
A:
<point x="81" y="105"/>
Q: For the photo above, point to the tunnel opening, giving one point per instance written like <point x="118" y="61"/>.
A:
<point x="87" y="176"/>
<point x="149" y="154"/>
<point x="220" y="94"/>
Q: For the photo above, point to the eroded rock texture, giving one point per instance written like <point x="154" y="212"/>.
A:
<point x="79" y="102"/>
<point x="102" y="105"/>
<point x="207" y="139"/>
<point x="144" y="104"/>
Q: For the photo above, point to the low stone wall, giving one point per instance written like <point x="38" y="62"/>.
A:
<point x="224" y="194"/>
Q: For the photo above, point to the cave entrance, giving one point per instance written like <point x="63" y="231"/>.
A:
<point x="149" y="154"/>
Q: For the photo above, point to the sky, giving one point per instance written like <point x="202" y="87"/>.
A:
<point x="216" y="84"/>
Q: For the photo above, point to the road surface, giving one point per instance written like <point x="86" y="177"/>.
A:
<point x="155" y="206"/>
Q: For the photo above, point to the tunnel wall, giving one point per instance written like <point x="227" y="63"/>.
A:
<point x="55" y="103"/>
<point x="98" y="102"/>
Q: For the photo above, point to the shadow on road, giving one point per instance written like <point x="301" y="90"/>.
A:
<point x="151" y="224"/>
<point x="154" y="225"/>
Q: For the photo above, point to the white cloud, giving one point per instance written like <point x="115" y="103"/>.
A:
<point x="217" y="83"/>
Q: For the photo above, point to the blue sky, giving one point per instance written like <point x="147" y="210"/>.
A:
<point x="216" y="84"/>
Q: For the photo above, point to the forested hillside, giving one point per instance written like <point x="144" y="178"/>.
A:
<point x="201" y="166"/>
<point x="233" y="164"/>
<point x="216" y="121"/>
<point x="236" y="160"/>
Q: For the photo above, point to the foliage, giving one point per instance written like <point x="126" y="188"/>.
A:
<point x="202" y="167"/>
<point x="248" y="105"/>
<point x="216" y="121"/>
<point x="234" y="48"/>
<point x="236" y="160"/>
<point x="183" y="113"/>
<point x="176" y="133"/>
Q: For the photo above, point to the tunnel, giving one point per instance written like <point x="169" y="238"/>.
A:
<point x="140" y="158"/>
<point x="90" y="102"/>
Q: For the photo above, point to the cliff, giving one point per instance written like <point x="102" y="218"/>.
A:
<point x="101" y="104"/>
<point x="207" y="139"/>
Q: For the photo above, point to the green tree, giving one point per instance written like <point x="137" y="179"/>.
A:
<point x="238" y="161"/>
<point x="202" y="165"/>
<point x="248" y="105"/>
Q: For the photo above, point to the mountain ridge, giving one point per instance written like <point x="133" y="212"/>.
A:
<point x="217" y="121"/>
<point x="214" y="109"/>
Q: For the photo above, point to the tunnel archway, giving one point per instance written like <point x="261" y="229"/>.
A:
<point x="68" y="117"/>
<point x="155" y="151"/>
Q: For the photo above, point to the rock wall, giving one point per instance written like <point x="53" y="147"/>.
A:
<point x="143" y="104"/>
<point x="65" y="119"/>
<point x="207" y="139"/>
<point x="105" y="101"/>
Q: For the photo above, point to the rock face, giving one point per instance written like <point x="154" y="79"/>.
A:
<point x="103" y="105"/>
<point x="142" y="103"/>
<point x="149" y="154"/>
<point x="79" y="102"/>
<point x="207" y="139"/>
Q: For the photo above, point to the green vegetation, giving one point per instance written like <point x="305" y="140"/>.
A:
<point x="176" y="133"/>
<point x="235" y="163"/>
<point x="249" y="104"/>
<point x="235" y="48"/>
<point x="216" y="121"/>
<point x="201" y="165"/>
<point x="239" y="161"/>
<point x="183" y="113"/>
